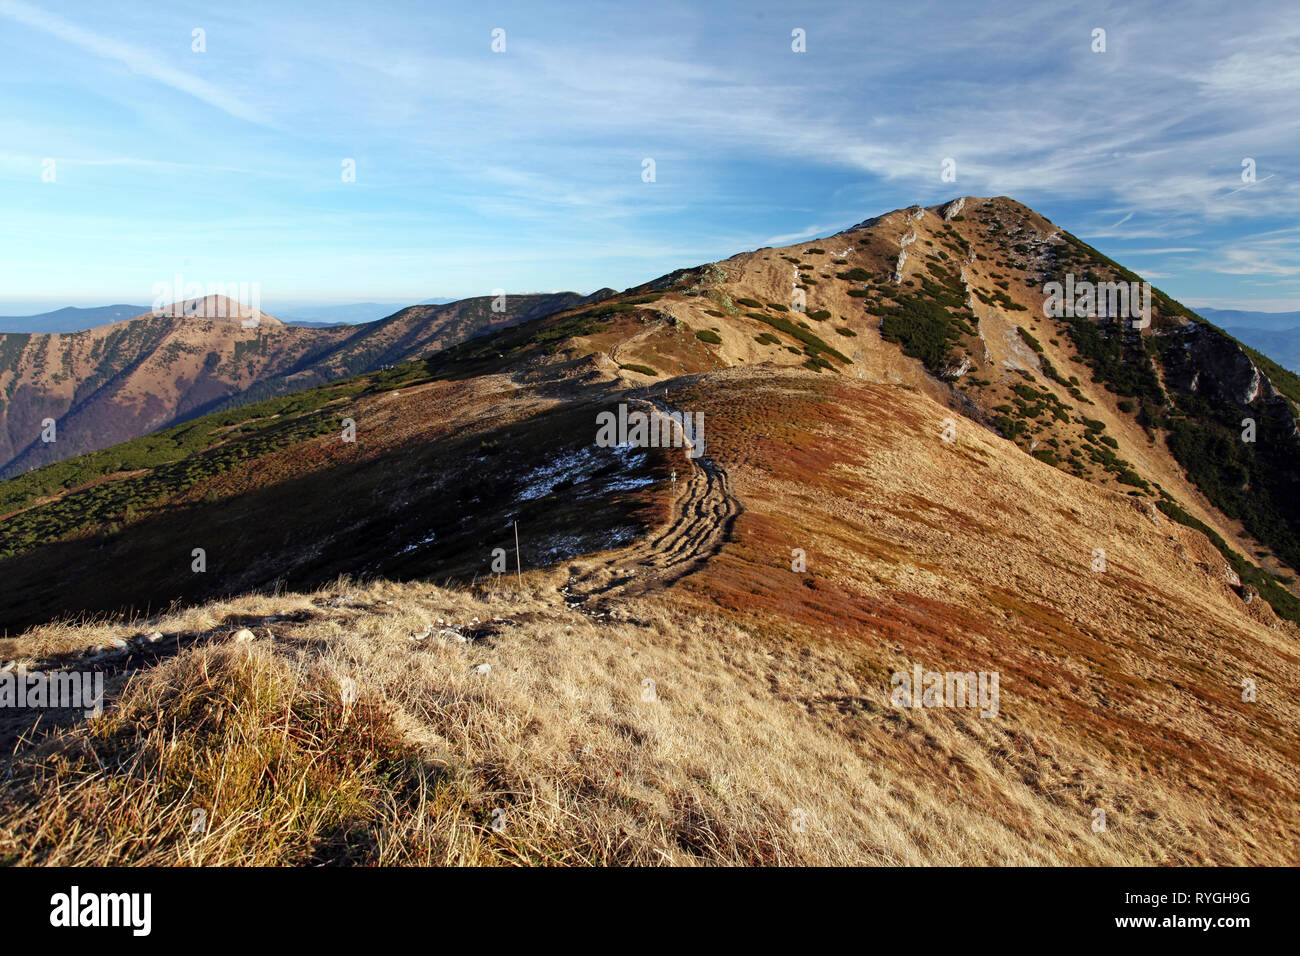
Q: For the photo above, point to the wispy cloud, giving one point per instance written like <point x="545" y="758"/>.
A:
<point x="525" y="167"/>
<point x="138" y="60"/>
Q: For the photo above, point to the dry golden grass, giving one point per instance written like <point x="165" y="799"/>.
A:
<point x="743" y="733"/>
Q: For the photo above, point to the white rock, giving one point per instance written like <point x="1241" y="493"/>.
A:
<point x="113" y="647"/>
<point x="243" y="636"/>
<point x="154" y="638"/>
<point x="483" y="669"/>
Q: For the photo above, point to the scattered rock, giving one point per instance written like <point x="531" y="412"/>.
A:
<point x="1148" y="509"/>
<point x="243" y="636"/>
<point x="113" y="647"/>
<point x="154" y="637"/>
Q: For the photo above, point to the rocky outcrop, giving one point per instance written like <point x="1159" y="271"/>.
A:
<point x="1207" y="362"/>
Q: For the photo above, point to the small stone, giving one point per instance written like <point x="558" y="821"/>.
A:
<point x="154" y="638"/>
<point x="483" y="669"/>
<point x="243" y="636"/>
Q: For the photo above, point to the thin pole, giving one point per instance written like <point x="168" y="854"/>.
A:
<point x="518" y="571"/>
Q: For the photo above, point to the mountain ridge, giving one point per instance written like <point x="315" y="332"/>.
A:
<point x="124" y="379"/>
<point x="946" y="300"/>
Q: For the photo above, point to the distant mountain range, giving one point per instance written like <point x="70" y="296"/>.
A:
<point x="353" y="313"/>
<point x="74" y="319"/>
<point x="71" y="319"/>
<point x="1272" y="321"/>
<point x="125" y="378"/>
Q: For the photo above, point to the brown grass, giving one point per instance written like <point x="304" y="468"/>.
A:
<point x="557" y="739"/>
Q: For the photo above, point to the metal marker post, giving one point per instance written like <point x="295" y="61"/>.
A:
<point x="518" y="570"/>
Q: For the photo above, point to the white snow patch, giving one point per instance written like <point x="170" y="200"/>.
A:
<point x="580" y="464"/>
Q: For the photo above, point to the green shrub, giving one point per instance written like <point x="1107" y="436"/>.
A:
<point x="808" y="338"/>
<point x="1029" y="340"/>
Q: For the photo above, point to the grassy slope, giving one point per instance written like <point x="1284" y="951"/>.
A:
<point x="771" y="687"/>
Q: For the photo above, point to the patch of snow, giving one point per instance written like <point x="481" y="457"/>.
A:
<point x="418" y="544"/>
<point x="580" y="464"/>
<point x="569" y="546"/>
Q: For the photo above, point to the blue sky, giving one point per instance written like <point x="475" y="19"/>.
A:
<point x="522" y="169"/>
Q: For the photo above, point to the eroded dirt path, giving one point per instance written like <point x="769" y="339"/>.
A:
<point x="704" y="511"/>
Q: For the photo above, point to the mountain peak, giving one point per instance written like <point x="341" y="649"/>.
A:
<point x="217" y="308"/>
